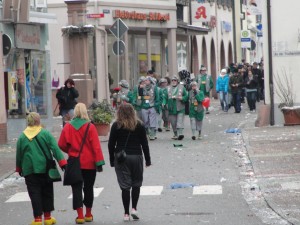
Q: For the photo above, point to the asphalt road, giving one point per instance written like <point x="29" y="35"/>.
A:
<point x="211" y="167"/>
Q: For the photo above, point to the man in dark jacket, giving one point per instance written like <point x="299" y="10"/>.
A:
<point x="236" y="84"/>
<point x="66" y="97"/>
<point x="257" y="73"/>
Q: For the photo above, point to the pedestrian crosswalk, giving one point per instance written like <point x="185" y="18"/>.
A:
<point x="145" y="191"/>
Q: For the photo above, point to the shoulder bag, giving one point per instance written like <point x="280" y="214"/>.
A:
<point x="121" y="155"/>
<point x="73" y="173"/>
<point x="53" y="174"/>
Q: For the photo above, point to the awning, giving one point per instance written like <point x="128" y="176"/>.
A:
<point x="45" y="18"/>
<point x="191" y="29"/>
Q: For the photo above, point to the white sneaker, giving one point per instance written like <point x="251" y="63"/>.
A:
<point x="126" y="218"/>
<point x="134" y="214"/>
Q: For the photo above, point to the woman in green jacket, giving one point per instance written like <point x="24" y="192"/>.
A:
<point x="196" y="109"/>
<point x="31" y="163"/>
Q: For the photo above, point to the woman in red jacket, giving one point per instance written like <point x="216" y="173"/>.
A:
<point x="91" y="159"/>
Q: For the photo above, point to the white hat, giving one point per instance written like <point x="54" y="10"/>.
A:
<point x="223" y="71"/>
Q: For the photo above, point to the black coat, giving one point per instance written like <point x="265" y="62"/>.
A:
<point x="67" y="98"/>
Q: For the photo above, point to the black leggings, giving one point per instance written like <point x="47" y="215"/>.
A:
<point x="89" y="177"/>
<point x="135" y="194"/>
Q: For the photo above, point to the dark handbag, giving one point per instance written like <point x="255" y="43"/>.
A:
<point x="121" y="155"/>
<point x="73" y="173"/>
<point x="53" y="174"/>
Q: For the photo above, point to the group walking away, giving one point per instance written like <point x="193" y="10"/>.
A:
<point x="239" y="82"/>
<point x="79" y="139"/>
<point x="167" y="100"/>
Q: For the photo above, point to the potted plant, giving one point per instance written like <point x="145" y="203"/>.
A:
<point x="285" y="92"/>
<point x="101" y="114"/>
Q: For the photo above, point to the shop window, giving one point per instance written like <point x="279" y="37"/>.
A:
<point x="36" y="91"/>
<point x="181" y="55"/>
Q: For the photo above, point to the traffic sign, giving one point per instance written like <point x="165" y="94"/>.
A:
<point x="245" y="39"/>
<point x="95" y="16"/>
<point x="118" y="28"/>
<point x="119" y="50"/>
<point x="6" y="44"/>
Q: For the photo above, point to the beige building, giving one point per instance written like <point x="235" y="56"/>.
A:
<point x="156" y="40"/>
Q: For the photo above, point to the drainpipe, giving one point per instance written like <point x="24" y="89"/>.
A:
<point x="234" y="31"/>
<point x="191" y="38"/>
<point x="105" y="58"/>
<point x="271" y="84"/>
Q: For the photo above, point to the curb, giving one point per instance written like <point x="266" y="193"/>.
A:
<point x="6" y="175"/>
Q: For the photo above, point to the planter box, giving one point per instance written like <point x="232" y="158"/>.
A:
<point x="291" y="116"/>
<point x="102" y="129"/>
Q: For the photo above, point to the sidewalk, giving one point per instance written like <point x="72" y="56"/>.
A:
<point x="274" y="153"/>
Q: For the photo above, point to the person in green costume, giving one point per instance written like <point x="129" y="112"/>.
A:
<point x="174" y="99"/>
<point x="205" y="83"/>
<point x="196" y="113"/>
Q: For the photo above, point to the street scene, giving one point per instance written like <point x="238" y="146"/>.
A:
<point x="149" y="112"/>
<point x="225" y="178"/>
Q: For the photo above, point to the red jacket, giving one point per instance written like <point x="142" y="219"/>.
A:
<point x="70" y="141"/>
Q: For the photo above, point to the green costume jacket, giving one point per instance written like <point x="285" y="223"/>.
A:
<point x="196" y="108"/>
<point x="30" y="158"/>
<point x="205" y="83"/>
<point x="173" y="103"/>
<point x="136" y="100"/>
<point x="145" y="102"/>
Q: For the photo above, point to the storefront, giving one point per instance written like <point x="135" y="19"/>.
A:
<point x="147" y="41"/>
<point x="25" y="70"/>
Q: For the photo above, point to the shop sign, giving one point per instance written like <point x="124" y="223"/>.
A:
<point x="134" y="15"/>
<point x="28" y="36"/>
<point x="212" y="22"/>
<point x="95" y="16"/>
<point x="200" y="12"/>
<point x="245" y="39"/>
<point x="225" y="26"/>
<point x="12" y="90"/>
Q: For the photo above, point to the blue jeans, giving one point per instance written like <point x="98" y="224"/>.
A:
<point x="224" y="100"/>
<point x="251" y="99"/>
<point x="236" y="98"/>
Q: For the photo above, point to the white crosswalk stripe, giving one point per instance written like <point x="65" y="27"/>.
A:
<point x="151" y="190"/>
<point x="19" y="197"/>
<point x="208" y="190"/>
<point x="145" y="191"/>
<point x="97" y="192"/>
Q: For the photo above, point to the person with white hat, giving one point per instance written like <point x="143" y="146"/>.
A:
<point x="222" y="88"/>
<point x="196" y="110"/>
<point x="205" y="83"/>
<point x="175" y="98"/>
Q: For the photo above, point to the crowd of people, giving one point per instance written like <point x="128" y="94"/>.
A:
<point x="239" y="82"/>
<point x="161" y="104"/>
<point x="153" y="105"/>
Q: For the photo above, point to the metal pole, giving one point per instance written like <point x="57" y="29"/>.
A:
<point x="118" y="50"/>
<point x="272" y="119"/>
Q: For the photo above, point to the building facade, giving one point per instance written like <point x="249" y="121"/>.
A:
<point x="151" y="39"/>
<point x="25" y="58"/>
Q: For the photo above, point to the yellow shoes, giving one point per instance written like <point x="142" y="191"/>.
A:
<point x="79" y="221"/>
<point x="88" y="218"/>
<point x="36" y="223"/>
<point x="50" y="221"/>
